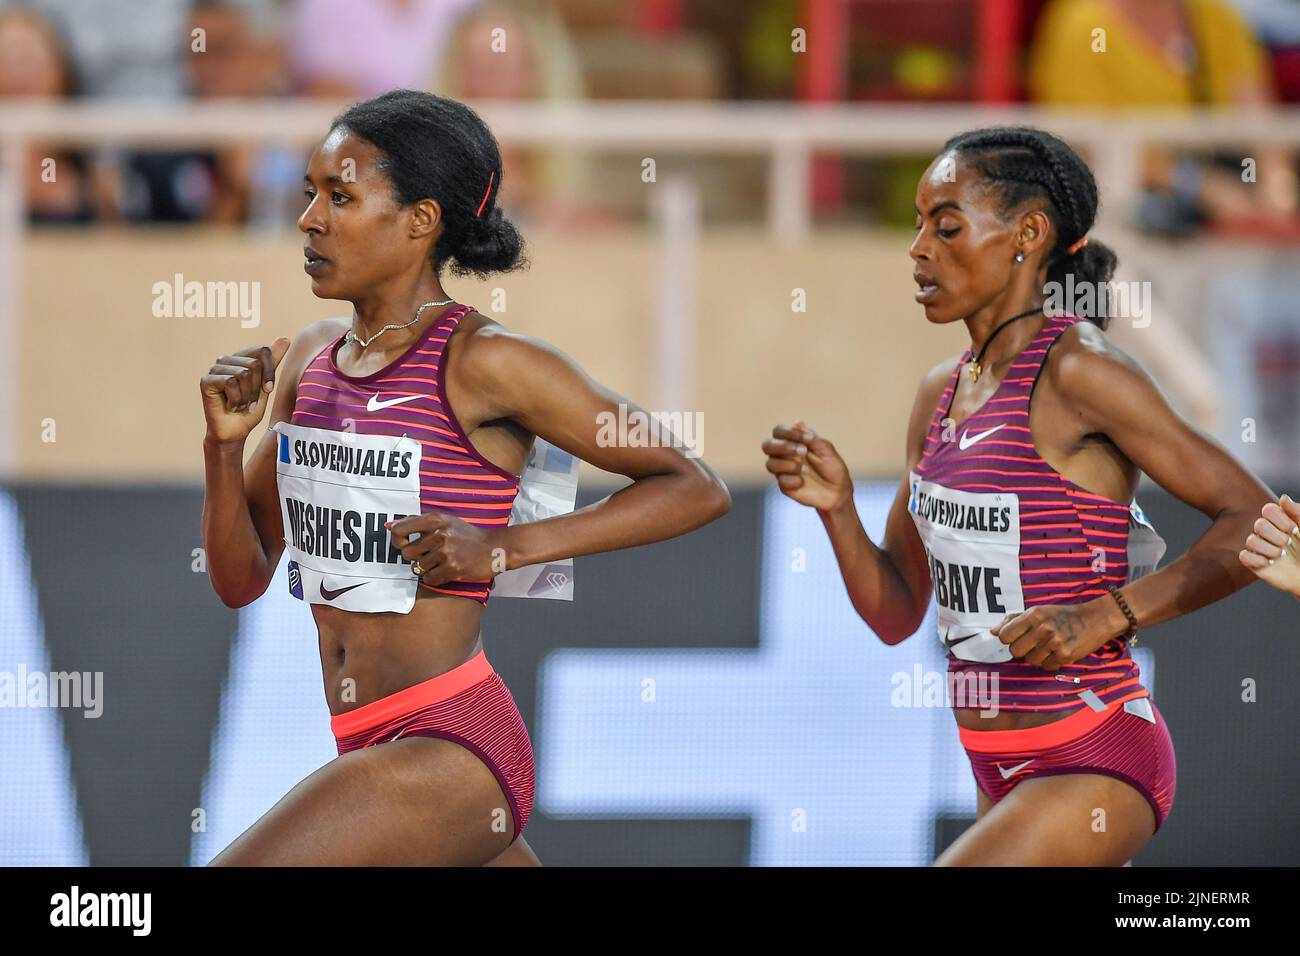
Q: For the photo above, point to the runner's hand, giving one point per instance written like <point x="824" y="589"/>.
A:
<point x="1053" y="635"/>
<point x="1273" y="551"/>
<point x="449" y="548"/>
<point x="237" y="389"/>
<point x="807" y="467"/>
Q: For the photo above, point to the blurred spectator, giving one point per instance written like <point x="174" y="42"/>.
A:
<point x="34" y="65"/>
<point x="520" y="51"/>
<point x="147" y="49"/>
<point x="242" y="55"/>
<point x="236" y="61"/>
<point x="1277" y="24"/>
<point x="127" y="48"/>
<point x="1169" y="53"/>
<point x="224" y="57"/>
<point x="351" y="50"/>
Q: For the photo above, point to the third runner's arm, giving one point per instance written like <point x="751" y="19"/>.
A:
<point x="1273" y="552"/>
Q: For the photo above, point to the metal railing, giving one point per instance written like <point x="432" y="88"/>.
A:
<point x="789" y="136"/>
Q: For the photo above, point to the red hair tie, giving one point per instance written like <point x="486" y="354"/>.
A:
<point x="1077" y="246"/>
<point x="485" y="195"/>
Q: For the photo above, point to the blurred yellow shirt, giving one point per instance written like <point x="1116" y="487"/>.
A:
<point x="1132" y="71"/>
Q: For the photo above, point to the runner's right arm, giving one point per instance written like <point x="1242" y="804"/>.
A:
<point x="888" y="585"/>
<point x="243" y="532"/>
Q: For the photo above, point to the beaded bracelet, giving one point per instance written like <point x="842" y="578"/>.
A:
<point x="1131" y="634"/>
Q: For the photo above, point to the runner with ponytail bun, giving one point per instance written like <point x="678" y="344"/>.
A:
<point x="397" y="439"/>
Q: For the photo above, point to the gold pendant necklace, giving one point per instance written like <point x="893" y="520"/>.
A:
<point x="974" y="366"/>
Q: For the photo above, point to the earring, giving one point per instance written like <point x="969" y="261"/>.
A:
<point x="1020" y="257"/>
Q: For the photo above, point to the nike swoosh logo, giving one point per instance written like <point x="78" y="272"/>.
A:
<point x="1008" y="772"/>
<point x="967" y="439"/>
<point x="329" y="595"/>
<point x="375" y="404"/>
<point x="965" y="637"/>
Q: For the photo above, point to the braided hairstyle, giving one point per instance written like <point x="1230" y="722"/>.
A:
<point x="1022" y="164"/>
<point x="438" y="148"/>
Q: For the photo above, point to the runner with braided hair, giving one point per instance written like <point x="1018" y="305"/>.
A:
<point x="1023" y="526"/>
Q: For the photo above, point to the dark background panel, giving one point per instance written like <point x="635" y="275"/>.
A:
<point x="113" y="575"/>
<point x="117" y="594"/>
<point x="699" y="590"/>
<point x="136" y="611"/>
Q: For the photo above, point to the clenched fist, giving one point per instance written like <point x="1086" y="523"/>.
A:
<point x="237" y="389"/>
<point x="807" y="467"/>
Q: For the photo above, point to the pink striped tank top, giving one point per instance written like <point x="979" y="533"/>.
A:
<point x="1004" y="531"/>
<point x="360" y="450"/>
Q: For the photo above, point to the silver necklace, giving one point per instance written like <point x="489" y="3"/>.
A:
<point x="351" y="336"/>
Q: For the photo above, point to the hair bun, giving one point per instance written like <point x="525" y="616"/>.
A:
<point x="489" y="243"/>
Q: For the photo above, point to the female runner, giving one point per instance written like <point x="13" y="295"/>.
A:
<point x="1020" y="524"/>
<point x="398" y="437"/>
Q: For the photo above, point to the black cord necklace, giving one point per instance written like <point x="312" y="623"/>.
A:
<point x="975" y="367"/>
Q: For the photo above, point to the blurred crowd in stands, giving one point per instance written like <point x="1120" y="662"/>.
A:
<point x="1159" y="53"/>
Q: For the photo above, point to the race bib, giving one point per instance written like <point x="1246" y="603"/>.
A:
<point x="548" y="486"/>
<point x="1145" y="546"/>
<point x="972" y="542"/>
<point x="336" y="490"/>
